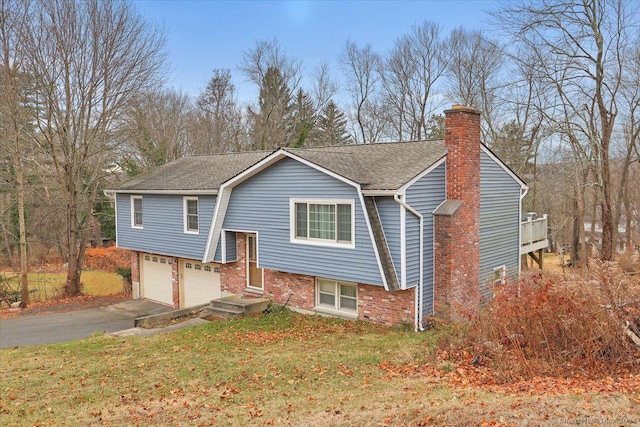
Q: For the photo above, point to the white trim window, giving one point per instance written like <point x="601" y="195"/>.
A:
<point x="337" y="296"/>
<point x="499" y="276"/>
<point x="136" y="212"/>
<point x="323" y="222"/>
<point x="191" y="224"/>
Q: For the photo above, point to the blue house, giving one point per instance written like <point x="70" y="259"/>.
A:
<point x="390" y="233"/>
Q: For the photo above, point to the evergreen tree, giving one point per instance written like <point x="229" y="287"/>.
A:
<point x="332" y="126"/>
<point x="270" y="123"/>
<point x="303" y="120"/>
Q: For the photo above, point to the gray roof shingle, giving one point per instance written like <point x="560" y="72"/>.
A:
<point x="383" y="166"/>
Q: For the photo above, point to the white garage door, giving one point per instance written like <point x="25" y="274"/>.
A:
<point x="200" y="283"/>
<point x="155" y="279"/>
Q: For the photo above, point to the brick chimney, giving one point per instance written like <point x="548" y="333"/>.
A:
<point x="457" y="220"/>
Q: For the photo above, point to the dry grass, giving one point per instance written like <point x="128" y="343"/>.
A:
<point x="49" y="286"/>
<point x="278" y="369"/>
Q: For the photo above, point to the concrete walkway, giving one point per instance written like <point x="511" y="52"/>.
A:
<point x="62" y="327"/>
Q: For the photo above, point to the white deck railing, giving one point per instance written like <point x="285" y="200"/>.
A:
<point x="533" y="234"/>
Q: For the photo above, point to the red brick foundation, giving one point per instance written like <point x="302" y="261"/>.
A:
<point x="386" y="308"/>
<point x="175" y="281"/>
<point x="233" y="276"/>
<point x="135" y="274"/>
<point x="299" y="291"/>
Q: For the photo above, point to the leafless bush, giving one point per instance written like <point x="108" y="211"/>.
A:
<point x="562" y="325"/>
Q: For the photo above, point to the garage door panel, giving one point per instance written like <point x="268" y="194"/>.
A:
<point x="201" y="283"/>
<point x="156" y="279"/>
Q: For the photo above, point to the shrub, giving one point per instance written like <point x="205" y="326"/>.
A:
<point x="107" y="259"/>
<point x="561" y="325"/>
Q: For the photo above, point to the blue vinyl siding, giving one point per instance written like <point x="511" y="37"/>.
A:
<point x="163" y="225"/>
<point x="389" y="211"/>
<point x="261" y="204"/>
<point x="499" y="222"/>
<point x="425" y="195"/>
<point x="231" y="246"/>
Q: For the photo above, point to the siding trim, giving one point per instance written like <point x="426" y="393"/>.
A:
<point x="115" y="212"/>
<point x="167" y="192"/>
<point x="504" y="167"/>
<point x="223" y="246"/>
<point x="403" y="189"/>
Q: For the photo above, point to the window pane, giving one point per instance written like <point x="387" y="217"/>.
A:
<point x="301" y="220"/>
<point x="344" y="223"/>
<point x="348" y="303"/>
<point x="192" y="207"/>
<point x="137" y="205"/>
<point x="192" y="222"/>
<point x="348" y="290"/>
<point x="327" y="286"/>
<point x="322" y="220"/>
<point x="326" y="299"/>
<point x="137" y="218"/>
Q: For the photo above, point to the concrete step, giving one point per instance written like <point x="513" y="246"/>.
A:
<point x="220" y="313"/>
<point x="234" y="307"/>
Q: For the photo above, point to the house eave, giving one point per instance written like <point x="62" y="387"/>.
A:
<point x="161" y="192"/>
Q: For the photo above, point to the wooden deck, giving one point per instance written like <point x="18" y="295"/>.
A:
<point x="533" y="238"/>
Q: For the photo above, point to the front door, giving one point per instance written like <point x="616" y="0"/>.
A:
<point x="254" y="274"/>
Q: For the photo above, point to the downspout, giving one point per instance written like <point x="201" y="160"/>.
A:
<point x="397" y="198"/>
<point x="522" y="194"/>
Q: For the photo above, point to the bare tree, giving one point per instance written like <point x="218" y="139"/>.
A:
<point x="88" y="61"/>
<point x="410" y="74"/>
<point x="361" y="66"/>
<point x="579" y="46"/>
<point x="157" y="130"/>
<point x="269" y="54"/>
<point x="324" y="86"/>
<point x="474" y="69"/>
<point x="14" y="108"/>
<point x="218" y="125"/>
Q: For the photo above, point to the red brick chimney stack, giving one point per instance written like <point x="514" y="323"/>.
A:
<point x="457" y="220"/>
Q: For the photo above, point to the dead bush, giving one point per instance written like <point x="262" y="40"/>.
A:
<point x="107" y="259"/>
<point x="562" y="325"/>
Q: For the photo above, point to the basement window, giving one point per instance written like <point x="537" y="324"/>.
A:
<point x="333" y="295"/>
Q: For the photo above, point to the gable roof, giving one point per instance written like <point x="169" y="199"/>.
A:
<point x="194" y="173"/>
<point x="382" y="166"/>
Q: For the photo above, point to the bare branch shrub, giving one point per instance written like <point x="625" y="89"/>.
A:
<point x="562" y="325"/>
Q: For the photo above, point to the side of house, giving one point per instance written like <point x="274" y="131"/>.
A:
<point x="380" y="232"/>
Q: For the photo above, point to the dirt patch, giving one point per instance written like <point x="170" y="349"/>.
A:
<point x="62" y="305"/>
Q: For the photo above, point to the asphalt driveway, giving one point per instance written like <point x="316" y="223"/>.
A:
<point x="61" y="327"/>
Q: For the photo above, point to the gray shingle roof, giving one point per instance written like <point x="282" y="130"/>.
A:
<point x="384" y="166"/>
<point x="194" y="173"/>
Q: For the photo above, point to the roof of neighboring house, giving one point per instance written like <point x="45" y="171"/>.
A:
<point x="382" y="166"/>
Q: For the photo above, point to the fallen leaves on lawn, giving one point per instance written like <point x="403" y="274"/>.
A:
<point x="466" y="375"/>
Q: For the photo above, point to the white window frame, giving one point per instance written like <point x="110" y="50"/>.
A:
<point x="133" y="212"/>
<point x="336" y="309"/>
<point x="185" y="201"/>
<point x="499" y="276"/>
<point x="321" y="242"/>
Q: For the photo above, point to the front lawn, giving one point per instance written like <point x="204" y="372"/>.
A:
<point x="287" y="369"/>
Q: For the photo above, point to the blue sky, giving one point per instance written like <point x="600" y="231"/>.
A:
<point x="203" y="35"/>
